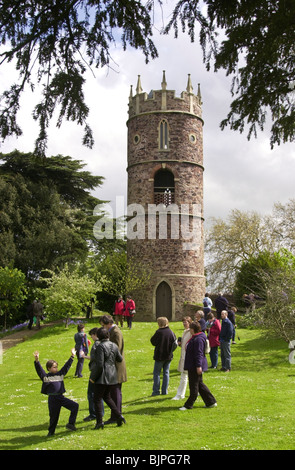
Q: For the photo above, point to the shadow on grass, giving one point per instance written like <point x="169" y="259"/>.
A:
<point x="149" y="408"/>
<point x="26" y="439"/>
<point x="262" y="352"/>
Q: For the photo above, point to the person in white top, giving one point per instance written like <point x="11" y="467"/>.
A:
<point x="186" y="321"/>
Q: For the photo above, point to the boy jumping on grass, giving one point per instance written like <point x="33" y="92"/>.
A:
<point x="53" y="386"/>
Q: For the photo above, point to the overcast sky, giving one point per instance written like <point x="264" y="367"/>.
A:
<point x="238" y="173"/>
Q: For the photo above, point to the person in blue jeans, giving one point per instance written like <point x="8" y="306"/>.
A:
<point x="165" y="342"/>
<point x="225" y="337"/>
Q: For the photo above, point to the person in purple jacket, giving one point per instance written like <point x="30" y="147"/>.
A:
<point x="53" y="386"/>
<point x="196" y="363"/>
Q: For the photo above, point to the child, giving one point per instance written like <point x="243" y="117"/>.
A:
<point x="81" y="347"/>
<point x="53" y="386"/>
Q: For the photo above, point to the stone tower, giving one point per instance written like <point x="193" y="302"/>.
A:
<point x="165" y="198"/>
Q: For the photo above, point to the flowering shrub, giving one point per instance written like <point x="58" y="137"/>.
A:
<point x="68" y="293"/>
<point x="15" y="328"/>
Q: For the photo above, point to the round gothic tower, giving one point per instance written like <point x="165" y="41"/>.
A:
<point x="165" y="198"/>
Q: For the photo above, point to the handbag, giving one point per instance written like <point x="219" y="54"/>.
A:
<point x="174" y="344"/>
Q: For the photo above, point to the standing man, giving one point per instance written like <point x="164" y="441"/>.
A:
<point x="38" y="312"/>
<point x="116" y="337"/>
<point x="221" y="303"/>
<point x="225" y="337"/>
<point x="165" y="342"/>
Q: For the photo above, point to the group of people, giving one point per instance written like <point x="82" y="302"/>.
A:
<point x="35" y="314"/>
<point x="192" y="362"/>
<point x="107" y="373"/>
<point x="108" y="369"/>
<point x="221" y="329"/>
<point x="123" y="310"/>
<point x="206" y="334"/>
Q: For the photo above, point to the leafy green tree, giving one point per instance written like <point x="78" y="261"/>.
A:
<point x="231" y="242"/>
<point x="120" y="275"/>
<point x="68" y="293"/>
<point x="253" y="274"/>
<point x="57" y="41"/>
<point x="257" y="49"/>
<point x="46" y="212"/>
<point x="13" y="291"/>
<point x="272" y="277"/>
<point x="109" y="265"/>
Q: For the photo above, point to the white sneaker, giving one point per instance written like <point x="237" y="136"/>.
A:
<point x="211" y="406"/>
<point x="183" y="408"/>
<point x="176" y="398"/>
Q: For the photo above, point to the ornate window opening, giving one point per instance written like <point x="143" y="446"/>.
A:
<point x="164" y="187"/>
<point x="164" y="135"/>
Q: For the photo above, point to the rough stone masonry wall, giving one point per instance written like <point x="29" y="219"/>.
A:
<point x="183" y="270"/>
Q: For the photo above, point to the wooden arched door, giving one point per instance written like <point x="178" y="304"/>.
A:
<point x="164" y="301"/>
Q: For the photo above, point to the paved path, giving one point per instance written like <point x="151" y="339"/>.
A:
<point x="15" y="338"/>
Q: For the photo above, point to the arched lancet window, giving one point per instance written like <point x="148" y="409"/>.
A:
<point x="164" y="187"/>
<point x="164" y="135"/>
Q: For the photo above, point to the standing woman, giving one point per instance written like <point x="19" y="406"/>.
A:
<point x="186" y="335"/>
<point x="196" y="363"/>
<point x="118" y="310"/>
<point x="129" y="311"/>
<point x="104" y="376"/>
<point x="213" y="328"/>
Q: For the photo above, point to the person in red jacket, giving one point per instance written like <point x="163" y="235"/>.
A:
<point x="213" y="327"/>
<point x="118" y="312"/>
<point x="129" y="311"/>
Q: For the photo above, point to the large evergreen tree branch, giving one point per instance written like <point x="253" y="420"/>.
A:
<point x="48" y="39"/>
<point x="257" y="50"/>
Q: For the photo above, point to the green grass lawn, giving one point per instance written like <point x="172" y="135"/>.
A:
<point x="255" y="400"/>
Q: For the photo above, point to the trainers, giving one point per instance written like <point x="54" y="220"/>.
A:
<point x="183" y="408"/>
<point x="176" y="398"/>
<point x="211" y="406"/>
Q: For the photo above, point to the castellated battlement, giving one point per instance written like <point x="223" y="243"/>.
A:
<point x="164" y="100"/>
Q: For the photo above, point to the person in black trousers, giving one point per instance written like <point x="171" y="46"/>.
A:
<point x="196" y="363"/>
<point x="81" y="347"/>
<point x="104" y="377"/>
<point x="53" y="386"/>
<point x="221" y="303"/>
